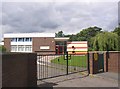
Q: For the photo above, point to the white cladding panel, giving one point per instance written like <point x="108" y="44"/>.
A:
<point x="19" y="35"/>
<point x="77" y="45"/>
<point x="85" y="49"/>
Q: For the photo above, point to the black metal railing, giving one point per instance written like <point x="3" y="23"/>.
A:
<point x="51" y="65"/>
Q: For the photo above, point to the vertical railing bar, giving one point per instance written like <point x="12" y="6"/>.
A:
<point x="39" y="66"/>
<point x="45" y="66"/>
<point x="67" y="63"/>
<point x="88" y="65"/>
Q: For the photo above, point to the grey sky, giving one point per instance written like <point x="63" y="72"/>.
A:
<point x="70" y="17"/>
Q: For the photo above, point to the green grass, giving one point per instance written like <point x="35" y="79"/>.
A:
<point x="80" y="61"/>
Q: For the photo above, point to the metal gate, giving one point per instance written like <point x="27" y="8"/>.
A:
<point x="52" y="65"/>
<point x="100" y="62"/>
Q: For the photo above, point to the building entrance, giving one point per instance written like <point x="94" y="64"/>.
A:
<point x="61" y="47"/>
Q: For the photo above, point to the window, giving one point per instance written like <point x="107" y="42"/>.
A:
<point x="20" y="48"/>
<point x="21" y="39"/>
<point x="14" y="48"/>
<point x="27" y="39"/>
<point x="14" y="39"/>
<point x="30" y="39"/>
<point x="28" y="48"/>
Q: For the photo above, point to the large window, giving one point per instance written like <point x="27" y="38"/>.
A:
<point x="14" y="48"/>
<point x="28" y="39"/>
<point x="14" y="39"/>
<point x="20" y="48"/>
<point x="20" y="39"/>
<point x="28" y="48"/>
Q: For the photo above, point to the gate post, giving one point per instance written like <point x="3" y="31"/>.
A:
<point x="91" y="68"/>
<point x="106" y="56"/>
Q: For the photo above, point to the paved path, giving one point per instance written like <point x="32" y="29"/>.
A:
<point x="72" y="80"/>
<point x="108" y="75"/>
<point x="77" y="80"/>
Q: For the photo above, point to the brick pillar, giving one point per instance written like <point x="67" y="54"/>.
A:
<point x="7" y="44"/>
<point x="91" y="62"/>
<point x="106" y="61"/>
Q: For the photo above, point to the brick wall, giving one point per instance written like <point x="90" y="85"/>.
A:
<point x="113" y="61"/>
<point x="43" y="41"/>
<point x="7" y="44"/>
<point x="19" y="70"/>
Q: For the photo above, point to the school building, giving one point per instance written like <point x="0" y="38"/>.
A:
<point x="42" y="42"/>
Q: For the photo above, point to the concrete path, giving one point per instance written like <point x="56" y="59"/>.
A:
<point x="108" y="75"/>
<point x="78" y="80"/>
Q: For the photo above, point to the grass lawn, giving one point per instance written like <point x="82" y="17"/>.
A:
<point x="80" y="61"/>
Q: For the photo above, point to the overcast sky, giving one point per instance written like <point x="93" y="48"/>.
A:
<point x="70" y="17"/>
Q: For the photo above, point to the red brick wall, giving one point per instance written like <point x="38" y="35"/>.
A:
<point x="113" y="61"/>
<point x="19" y="70"/>
<point x="43" y="41"/>
<point x="7" y="44"/>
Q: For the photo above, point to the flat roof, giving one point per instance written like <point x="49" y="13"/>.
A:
<point x="61" y="38"/>
<point x="17" y="35"/>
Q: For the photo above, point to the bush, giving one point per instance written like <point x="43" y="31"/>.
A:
<point x="2" y="49"/>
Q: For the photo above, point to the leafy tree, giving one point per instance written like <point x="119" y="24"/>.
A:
<point x="106" y="41"/>
<point x="2" y="49"/>
<point x="87" y="33"/>
<point x="72" y="37"/>
<point x="59" y="34"/>
<point x="117" y="30"/>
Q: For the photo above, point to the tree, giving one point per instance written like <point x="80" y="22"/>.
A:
<point x="59" y="34"/>
<point x="2" y="49"/>
<point x="117" y="30"/>
<point x="72" y="37"/>
<point x="106" y="41"/>
<point x="87" y="33"/>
